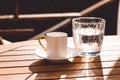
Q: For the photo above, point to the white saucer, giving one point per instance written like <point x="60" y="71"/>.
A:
<point x="42" y="53"/>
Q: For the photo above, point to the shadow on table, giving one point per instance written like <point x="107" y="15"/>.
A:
<point x="92" y="69"/>
<point x="114" y="74"/>
<point x="74" y="68"/>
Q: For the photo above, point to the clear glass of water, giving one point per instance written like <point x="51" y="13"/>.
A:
<point x="88" y="35"/>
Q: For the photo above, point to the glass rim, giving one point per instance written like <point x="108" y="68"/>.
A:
<point x="90" y="18"/>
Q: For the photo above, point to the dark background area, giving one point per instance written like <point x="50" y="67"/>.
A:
<point x="108" y="12"/>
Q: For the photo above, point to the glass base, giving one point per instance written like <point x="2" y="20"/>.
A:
<point x="89" y="54"/>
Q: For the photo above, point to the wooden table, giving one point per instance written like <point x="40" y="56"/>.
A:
<point x="18" y="62"/>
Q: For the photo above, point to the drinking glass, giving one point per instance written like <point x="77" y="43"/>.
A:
<point x="88" y="35"/>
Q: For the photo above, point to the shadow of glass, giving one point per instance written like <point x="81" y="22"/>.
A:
<point x="113" y="70"/>
<point x="91" y="69"/>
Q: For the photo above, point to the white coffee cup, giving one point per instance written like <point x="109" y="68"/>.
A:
<point x="56" y="45"/>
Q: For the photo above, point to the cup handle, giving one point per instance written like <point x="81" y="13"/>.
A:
<point x="39" y="40"/>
